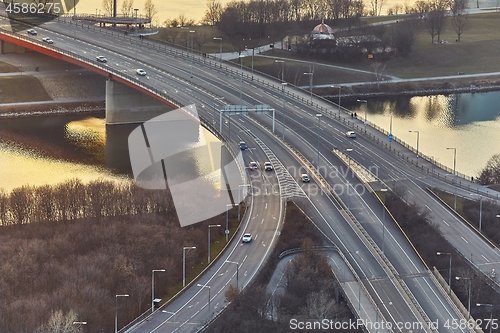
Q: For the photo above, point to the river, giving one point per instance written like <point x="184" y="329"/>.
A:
<point x="468" y="122"/>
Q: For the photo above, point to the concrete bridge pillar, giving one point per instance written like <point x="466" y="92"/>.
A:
<point x="6" y="47"/>
<point x="125" y="105"/>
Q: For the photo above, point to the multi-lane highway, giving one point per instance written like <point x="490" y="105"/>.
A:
<point x="396" y="279"/>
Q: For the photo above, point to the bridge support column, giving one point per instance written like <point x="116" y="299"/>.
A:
<point x="125" y="105"/>
<point x="6" y="47"/>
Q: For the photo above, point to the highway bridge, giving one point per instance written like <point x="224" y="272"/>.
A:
<point x="395" y="278"/>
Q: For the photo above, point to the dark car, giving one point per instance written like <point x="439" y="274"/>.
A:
<point x="32" y="32"/>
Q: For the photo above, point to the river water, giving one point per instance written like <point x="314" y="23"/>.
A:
<point x="468" y="122"/>
<point x="51" y="149"/>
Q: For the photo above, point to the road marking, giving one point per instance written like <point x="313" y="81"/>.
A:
<point x="446" y="223"/>
<point x="464" y="239"/>
<point x="429" y="208"/>
<point x="245" y="274"/>
<point x="485" y="258"/>
<point x="244" y="258"/>
<point x="256" y="236"/>
<point x="263" y="244"/>
<point x="411" y="193"/>
<point x="216" y="305"/>
<point x="329" y="125"/>
<point x="262" y="221"/>
<point x="266" y="202"/>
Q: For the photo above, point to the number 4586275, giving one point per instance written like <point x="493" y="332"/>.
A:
<point x="33" y="8"/>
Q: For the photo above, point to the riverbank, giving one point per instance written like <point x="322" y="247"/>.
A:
<point x="414" y="88"/>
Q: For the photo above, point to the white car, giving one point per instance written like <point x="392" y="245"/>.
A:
<point x="48" y="40"/>
<point x="101" y="59"/>
<point x="253" y="165"/>
<point x="304" y="177"/>
<point x="350" y="134"/>
<point x="141" y="72"/>
<point x="32" y="32"/>
<point x="247" y="238"/>
<point x="268" y="166"/>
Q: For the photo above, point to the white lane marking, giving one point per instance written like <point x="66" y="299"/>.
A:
<point x="256" y="236"/>
<point x="266" y="205"/>
<point x="262" y="221"/>
<point x="429" y="208"/>
<point x="446" y="223"/>
<point x="485" y="258"/>
<point x="244" y="259"/>
<point x="464" y="239"/>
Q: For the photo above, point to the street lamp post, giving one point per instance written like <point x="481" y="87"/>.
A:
<point x="283" y="85"/>
<point x="349" y="150"/>
<point x="210" y="226"/>
<point x="153" y="288"/>
<point x="366" y="108"/>
<point x="480" y="209"/>
<point x="318" y="115"/>
<point x="237" y="265"/>
<point x="311" y="74"/>
<point x="491" y="312"/>
<point x="282" y="69"/>
<point x="470" y="288"/>
<point x="136" y="41"/>
<point x="454" y="173"/>
<point x="116" y="310"/>
<point x="383" y="220"/>
<point x="241" y="79"/>
<point x="418" y="139"/>
<point x="340" y="89"/>
<point x="449" y="271"/>
<point x="227" y="220"/>
<point x="172" y="313"/>
<point x="239" y="198"/>
<point x="220" y="52"/>
<point x="209" y="311"/>
<point x="184" y="263"/>
<point x="191" y="32"/>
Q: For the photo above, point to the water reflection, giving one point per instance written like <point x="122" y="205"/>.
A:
<point x="469" y="122"/>
<point x="52" y="149"/>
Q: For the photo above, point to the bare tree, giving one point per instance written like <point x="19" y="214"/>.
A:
<point x="491" y="172"/>
<point x="320" y="305"/>
<point x="200" y="38"/>
<point x="170" y="35"/>
<point x="459" y="22"/>
<point x="376" y="7"/>
<point x="213" y="12"/>
<point x="183" y="21"/>
<point x="127" y="6"/>
<point x="60" y="323"/>
<point x="378" y="70"/>
<point x="150" y="9"/>
<point x="107" y="6"/>
<point x="405" y="32"/>
<point x="435" y="23"/>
